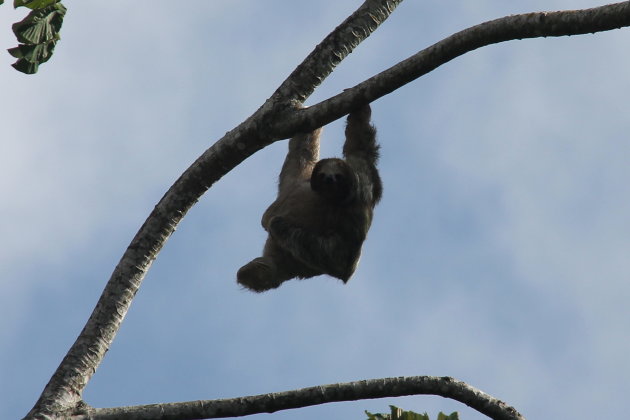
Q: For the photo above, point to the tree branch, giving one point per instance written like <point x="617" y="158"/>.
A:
<point x="528" y="25"/>
<point x="351" y="391"/>
<point x="63" y="393"/>
<point x="280" y="118"/>
<point x="333" y="49"/>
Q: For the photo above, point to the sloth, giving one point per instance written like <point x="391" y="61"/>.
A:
<point x="323" y="211"/>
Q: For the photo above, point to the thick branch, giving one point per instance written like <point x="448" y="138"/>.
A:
<point x="529" y="25"/>
<point x="352" y="391"/>
<point x="333" y="49"/>
<point x="63" y="391"/>
<point x="278" y="119"/>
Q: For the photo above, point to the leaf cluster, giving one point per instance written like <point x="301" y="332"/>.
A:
<point x="37" y="33"/>
<point x="400" y="414"/>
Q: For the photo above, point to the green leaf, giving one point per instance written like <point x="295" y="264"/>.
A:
<point x="376" y="416"/>
<point x="400" y="414"/>
<point x="33" y="4"/>
<point x="453" y="416"/>
<point x="38" y="33"/>
<point x="40" y="25"/>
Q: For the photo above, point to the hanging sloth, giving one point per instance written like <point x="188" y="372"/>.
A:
<point x="323" y="211"/>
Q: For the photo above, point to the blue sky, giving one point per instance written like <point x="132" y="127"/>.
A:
<point x="499" y="254"/>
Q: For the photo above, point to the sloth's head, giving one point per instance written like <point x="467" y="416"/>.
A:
<point x="334" y="179"/>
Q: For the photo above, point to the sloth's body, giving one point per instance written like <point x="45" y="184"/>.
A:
<point x="323" y="211"/>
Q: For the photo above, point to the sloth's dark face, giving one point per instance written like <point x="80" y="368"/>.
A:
<point x="334" y="180"/>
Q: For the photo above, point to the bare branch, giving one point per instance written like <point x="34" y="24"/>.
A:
<point x="333" y="49"/>
<point x="529" y="25"/>
<point x="64" y="390"/>
<point x="279" y="118"/>
<point x="351" y="391"/>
